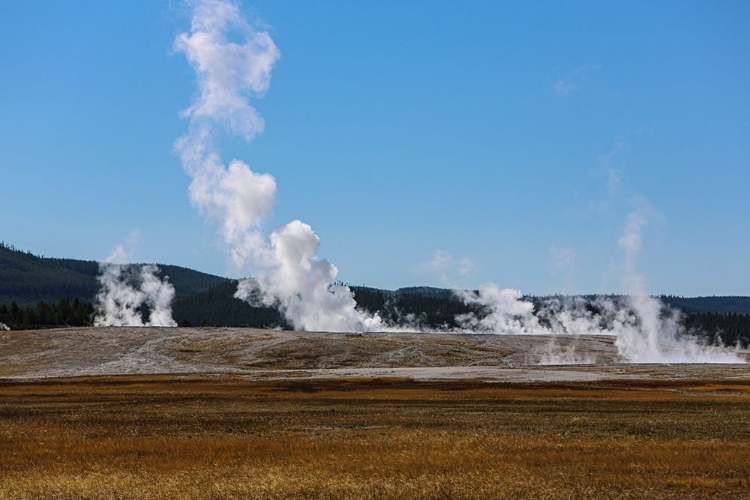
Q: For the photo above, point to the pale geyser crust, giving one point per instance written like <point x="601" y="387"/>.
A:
<point x="274" y="354"/>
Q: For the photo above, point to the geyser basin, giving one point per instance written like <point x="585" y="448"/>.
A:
<point x="284" y="354"/>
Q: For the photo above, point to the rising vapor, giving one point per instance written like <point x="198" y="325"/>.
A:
<point x="129" y="291"/>
<point x="240" y="200"/>
<point x="645" y="329"/>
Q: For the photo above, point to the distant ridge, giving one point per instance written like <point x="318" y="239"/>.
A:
<point x="726" y="304"/>
<point x="203" y="298"/>
<point x="27" y="278"/>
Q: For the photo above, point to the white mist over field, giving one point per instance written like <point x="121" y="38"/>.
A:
<point x="646" y="330"/>
<point x="288" y="273"/>
<point x="127" y="288"/>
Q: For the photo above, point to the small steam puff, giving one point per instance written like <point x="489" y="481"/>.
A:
<point x="127" y="289"/>
<point x="240" y="200"/>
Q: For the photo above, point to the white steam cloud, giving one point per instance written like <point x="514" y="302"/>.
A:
<point x="128" y="290"/>
<point x="240" y="200"/>
<point x="448" y="269"/>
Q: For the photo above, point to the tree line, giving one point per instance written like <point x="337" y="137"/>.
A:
<point x="27" y="278"/>
<point x="60" y="313"/>
<point x="423" y="307"/>
<point x="716" y="328"/>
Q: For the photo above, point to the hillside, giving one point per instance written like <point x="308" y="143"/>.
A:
<point x="27" y="278"/>
<point x="712" y="304"/>
<point x="217" y="306"/>
<point x="69" y="287"/>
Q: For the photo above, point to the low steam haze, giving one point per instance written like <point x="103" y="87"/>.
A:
<point x="506" y="150"/>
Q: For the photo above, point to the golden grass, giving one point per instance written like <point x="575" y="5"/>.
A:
<point x="172" y="437"/>
<point x="722" y="387"/>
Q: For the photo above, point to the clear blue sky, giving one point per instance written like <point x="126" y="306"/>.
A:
<point x="513" y="138"/>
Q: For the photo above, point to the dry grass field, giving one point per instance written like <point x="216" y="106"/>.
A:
<point x="201" y="413"/>
<point x="176" y="436"/>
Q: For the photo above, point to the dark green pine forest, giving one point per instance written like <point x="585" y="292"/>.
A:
<point x="37" y="291"/>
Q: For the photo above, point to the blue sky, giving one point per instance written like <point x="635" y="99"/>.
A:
<point x="426" y="142"/>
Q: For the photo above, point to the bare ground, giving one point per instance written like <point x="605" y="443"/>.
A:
<point x="271" y="354"/>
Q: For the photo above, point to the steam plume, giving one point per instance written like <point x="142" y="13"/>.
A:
<point x="127" y="289"/>
<point x="240" y="200"/>
<point x="228" y="74"/>
<point x="646" y="330"/>
<point x="656" y="337"/>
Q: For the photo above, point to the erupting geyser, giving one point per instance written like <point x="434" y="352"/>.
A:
<point x="289" y="275"/>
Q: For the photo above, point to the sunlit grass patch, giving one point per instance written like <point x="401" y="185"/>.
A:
<point x="738" y="388"/>
<point x="148" y="437"/>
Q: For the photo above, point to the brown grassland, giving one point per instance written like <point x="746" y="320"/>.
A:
<point x="148" y="437"/>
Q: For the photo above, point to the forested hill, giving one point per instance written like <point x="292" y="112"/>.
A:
<point x="713" y="304"/>
<point x="27" y="278"/>
<point x="374" y="299"/>
<point x="49" y="291"/>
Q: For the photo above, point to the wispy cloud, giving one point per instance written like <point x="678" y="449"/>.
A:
<point x="611" y="163"/>
<point x="575" y="80"/>
<point x="611" y="169"/>
<point x="561" y="260"/>
<point x="562" y="268"/>
<point x="565" y="86"/>
<point x="448" y="269"/>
